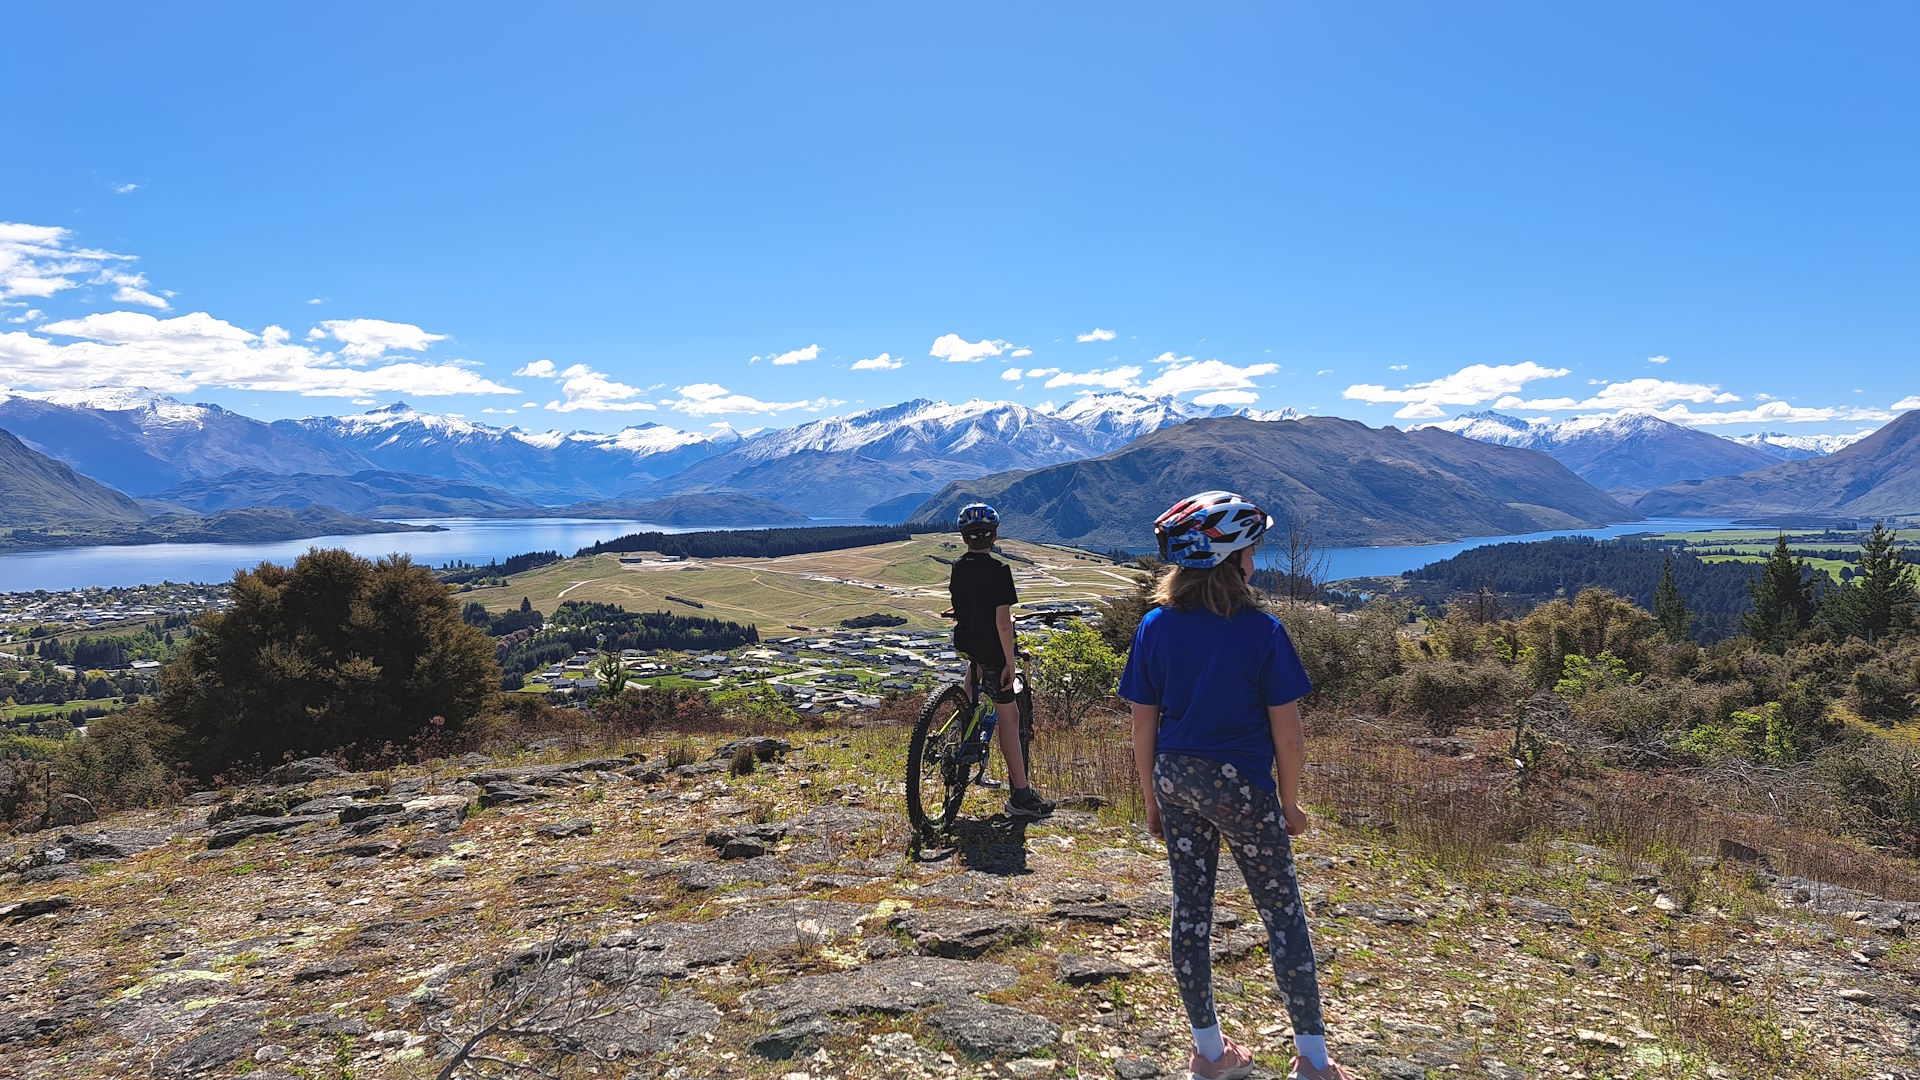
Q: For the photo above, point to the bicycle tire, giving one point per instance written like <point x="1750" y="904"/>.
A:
<point x="932" y="769"/>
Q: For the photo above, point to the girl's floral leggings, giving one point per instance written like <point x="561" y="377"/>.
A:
<point x="1202" y="801"/>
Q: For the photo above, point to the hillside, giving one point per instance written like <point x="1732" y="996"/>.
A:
<point x="713" y="510"/>
<point x="1876" y="477"/>
<point x="1353" y="484"/>
<point x="37" y="490"/>
<point x="687" y="919"/>
<point x="371" y="492"/>
<point x="248" y="526"/>
<point x="907" y="579"/>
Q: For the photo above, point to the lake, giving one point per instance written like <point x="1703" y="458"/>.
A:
<point x="480" y="540"/>
<point x="1347" y="562"/>
<point x="474" y="540"/>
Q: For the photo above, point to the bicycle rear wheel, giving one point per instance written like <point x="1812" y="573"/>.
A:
<point x="937" y="772"/>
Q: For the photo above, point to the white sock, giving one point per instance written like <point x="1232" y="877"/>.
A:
<point x="1207" y="1041"/>
<point x="1313" y="1048"/>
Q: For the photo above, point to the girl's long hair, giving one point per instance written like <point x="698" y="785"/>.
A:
<point x="1222" y="589"/>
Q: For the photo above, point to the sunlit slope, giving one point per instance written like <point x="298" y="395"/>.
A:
<point x="906" y="578"/>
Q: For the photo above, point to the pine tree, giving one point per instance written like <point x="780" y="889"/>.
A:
<point x="1669" y="607"/>
<point x="1880" y="592"/>
<point x="1782" y="595"/>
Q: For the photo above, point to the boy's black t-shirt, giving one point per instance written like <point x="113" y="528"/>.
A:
<point x="980" y="584"/>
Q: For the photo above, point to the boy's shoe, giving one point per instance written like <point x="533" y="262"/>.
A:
<point x="1236" y="1062"/>
<point x="1303" y="1070"/>
<point x="1027" y="803"/>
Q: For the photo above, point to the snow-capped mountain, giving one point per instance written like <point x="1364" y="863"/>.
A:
<point x="1630" y="451"/>
<point x="556" y="464"/>
<point x="141" y="442"/>
<point x="1128" y="416"/>
<point x="146" y="443"/>
<point x="1784" y="447"/>
<point x="1001" y="430"/>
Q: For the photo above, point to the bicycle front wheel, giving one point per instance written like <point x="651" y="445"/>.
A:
<point x="937" y="771"/>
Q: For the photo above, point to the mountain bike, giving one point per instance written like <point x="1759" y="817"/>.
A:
<point x="952" y="737"/>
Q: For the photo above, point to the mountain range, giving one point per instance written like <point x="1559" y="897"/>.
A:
<point x="79" y="454"/>
<point x="1346" y="482"/>
<point x="153" y="446"/>
<point x="48" y="505"/>
<point x="1629" y="452"/>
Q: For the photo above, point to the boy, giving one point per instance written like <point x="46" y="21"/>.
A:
<point x="981" y="588"/>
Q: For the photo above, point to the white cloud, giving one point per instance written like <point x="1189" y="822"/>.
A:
<point x="491" y="411"/>
<point x="1907" y="404"/>
<point x="32" y="314"/>
<point x="1120" y="378"/>
<point x="1168" y="357"/>
<point x="1226" y="397"/>
<point x="1095" y="334"/>
<point x="712" y="399"/>
<point x="1656" y="359"/>
<point x="955" y="349"/>
<point x="125" y="189"/>
<point x="1020" y="354"/>
<point x="316" y="300"/>
<point x="132" y="289"/>
<point x="529" y="404"/>
<point x="1471" y="385"/>
<point x="369" y="339"/>
<point x="36" y="261"/>
<point x="1042" y="372"/>
<point x="182" y="354"/>
<point x="1773" y="412"/>
<point x="1012" y="374"/>
<point x="537" y="369"/>
<point x="1198" y="376"/>
<point x="1324" y="371"/>
<point x="789" y="358"/>
<point x="1396" y="367"/>
<point x="585" y="388"/>
<point x="883" y="362"/>
<point x="1647" y="394"/>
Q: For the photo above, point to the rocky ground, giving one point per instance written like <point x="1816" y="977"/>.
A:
<point x="626" y="917"/>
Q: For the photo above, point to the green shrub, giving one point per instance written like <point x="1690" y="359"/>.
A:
<point x="334" y="651"/>
<point x="1074" y="668"/>
<point x="1348" y="657"/>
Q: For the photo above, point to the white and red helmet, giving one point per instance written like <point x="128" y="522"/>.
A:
<point x="1200" y="531"/>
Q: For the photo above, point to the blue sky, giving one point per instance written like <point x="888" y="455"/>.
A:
<point x="602" y="217"/>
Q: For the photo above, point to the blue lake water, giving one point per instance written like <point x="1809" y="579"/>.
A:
<point x="1346" y="562"/>
<point x="474" y="540"/>
<point x="478" y="540"/>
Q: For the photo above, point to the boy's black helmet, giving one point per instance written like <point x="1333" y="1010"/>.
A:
<point x="978" y="519"/>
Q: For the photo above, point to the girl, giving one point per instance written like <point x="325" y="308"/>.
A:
<point x="1215" y="685"/>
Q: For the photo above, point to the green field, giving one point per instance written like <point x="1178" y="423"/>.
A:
<point x="43" y="711"/>
<point x="817" y="591"/>
<point x="1831" y="566"/>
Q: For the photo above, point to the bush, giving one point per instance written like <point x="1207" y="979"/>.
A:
<point x="1074" y="668"/>
<point x="333" y="651"/>
<point x="1595" y="622"/>
<point x="1348" y="657"/>
<point x="1444" y="693"/>
<point x="1632" y="718"/>
<point x="1881" y="692"/>
<point x="119" y="765"/>
<point x="1878" y="786"/>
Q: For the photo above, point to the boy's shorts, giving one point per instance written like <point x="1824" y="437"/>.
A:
<point x="990" y="682"/>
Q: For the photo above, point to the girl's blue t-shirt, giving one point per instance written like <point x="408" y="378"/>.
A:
<point x="1213" y="679"/>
